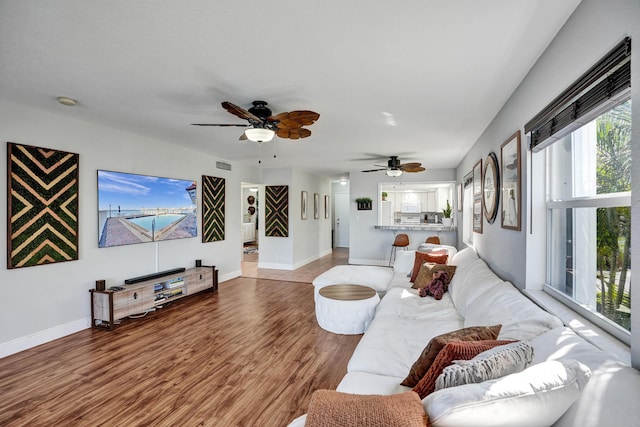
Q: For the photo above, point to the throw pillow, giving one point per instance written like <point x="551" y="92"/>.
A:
<point x="404" y="262"/>
<point x="422" y="257"/>
<point x="537" y="396"/>
<point x="456" y="350"/>
<point x="422" y="365"/>
<point x="464" y="256"/>
<point x="425" y="274"/>
<point x="329" y="408"/>
<point x="488" y="365"/>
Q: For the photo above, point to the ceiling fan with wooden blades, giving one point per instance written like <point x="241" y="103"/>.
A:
<point x="263" y="125"/>
<point x="395" y="168"/>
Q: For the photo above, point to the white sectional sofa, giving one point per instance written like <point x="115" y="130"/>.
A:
<point x="404" y="323"/>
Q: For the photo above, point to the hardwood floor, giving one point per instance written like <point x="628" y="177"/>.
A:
<point x="305" y="274"/>
<point x="251" y="354"/>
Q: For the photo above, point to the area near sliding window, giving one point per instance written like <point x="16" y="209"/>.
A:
<point x="588" y="197"/>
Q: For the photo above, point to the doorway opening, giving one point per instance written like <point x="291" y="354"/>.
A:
<point x="341" y="206"/>
<point x="250" y="229"/>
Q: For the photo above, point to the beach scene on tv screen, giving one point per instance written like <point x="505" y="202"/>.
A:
<point x="141" y="208"/>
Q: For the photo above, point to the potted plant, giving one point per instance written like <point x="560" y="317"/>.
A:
<point x="446" y="212"/>
<point x="364" y="203"/>
<point x="384" y="195"/>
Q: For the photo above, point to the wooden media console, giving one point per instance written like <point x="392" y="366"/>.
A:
<point x="111" y="305"/>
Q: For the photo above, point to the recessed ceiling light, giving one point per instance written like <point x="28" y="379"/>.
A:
<point x="388" y="117"/>
<point x="69" y="102"/>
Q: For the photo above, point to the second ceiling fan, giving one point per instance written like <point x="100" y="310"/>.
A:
<point x="264" y="125"/>
<point x="395" y="168"/>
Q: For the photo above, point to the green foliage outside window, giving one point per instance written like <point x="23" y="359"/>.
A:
<point x="614" y="224"/>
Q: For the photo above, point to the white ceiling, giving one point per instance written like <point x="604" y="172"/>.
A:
<point x="441" y="70"/>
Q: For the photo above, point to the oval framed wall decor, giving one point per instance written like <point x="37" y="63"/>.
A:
<point x="491" y="188"/>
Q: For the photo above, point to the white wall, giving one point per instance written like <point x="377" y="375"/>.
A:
<point x="371" y="246"/>
<point x="276" y="252"/>
<point x="594" y="28"/>
<point x="45" y="302"/>
<point x="312" y="237"/>
<point x="308" y="239"/>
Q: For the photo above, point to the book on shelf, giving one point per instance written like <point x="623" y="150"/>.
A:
<point x="174" y="283"/>
<point x="173" y="293"/>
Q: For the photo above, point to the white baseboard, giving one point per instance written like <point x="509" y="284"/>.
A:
<point x="275" y="266"/>
<point x="311" y="259"/>
<point x="325" y="253"/>
<point x="358" y="261"/>
<point x="28" y="341"/>
<point x="229" y="276"/>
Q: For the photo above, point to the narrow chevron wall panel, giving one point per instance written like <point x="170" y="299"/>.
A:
<point x="42" y="206"/>
<point x="276" y="213"/>
<point x="213" y="190"/>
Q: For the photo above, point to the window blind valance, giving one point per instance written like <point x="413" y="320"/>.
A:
<point x="601" y="83"/>
<point x="467" y="180"/>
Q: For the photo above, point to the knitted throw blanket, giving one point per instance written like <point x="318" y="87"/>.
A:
<point x="330" y="408"/>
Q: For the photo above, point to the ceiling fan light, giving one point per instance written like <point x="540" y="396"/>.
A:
<point x="65" y="100"/>
<point x="394" y="172"/>
<point x="259" y="134"/>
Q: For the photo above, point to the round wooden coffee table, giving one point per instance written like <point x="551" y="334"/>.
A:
<point x="346" y="309"/>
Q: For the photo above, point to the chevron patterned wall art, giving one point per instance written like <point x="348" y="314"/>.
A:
<point x="213" y="203"/>
<point x="42" y="206"/>
<point x="276" y="215"/>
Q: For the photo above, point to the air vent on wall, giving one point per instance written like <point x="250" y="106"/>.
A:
<point x="223" y="166"/>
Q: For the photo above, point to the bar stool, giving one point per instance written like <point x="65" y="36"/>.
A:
<point x="401" y="241"/>
<point x="433" y="239"/>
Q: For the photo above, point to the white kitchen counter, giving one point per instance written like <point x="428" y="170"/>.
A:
<point x="416" y="227"/>
<point x="419" y="233"/>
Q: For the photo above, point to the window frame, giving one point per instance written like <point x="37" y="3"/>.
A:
<point x="607" y="200"/>
<point x="620" y="199"/>
<point x="601" y="88"/>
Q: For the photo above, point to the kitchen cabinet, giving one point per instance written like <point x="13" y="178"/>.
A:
<point x="410" y="198"/>
<point x="428" y="201"/>
<point x="396" y="200"/>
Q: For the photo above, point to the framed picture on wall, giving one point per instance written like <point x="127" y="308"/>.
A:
<point x="491" y="187"/>
<point x="326" y="206"/>
<point x="316" y="206"/>
<point x="42" y="205"/>
<point x="477" y="215"/>
<point x="303" y="205"/>
<point x="477" y="179"/>
<point x="511" y="187"/>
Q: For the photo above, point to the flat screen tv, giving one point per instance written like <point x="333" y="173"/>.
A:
<point x="141" y="208"/>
